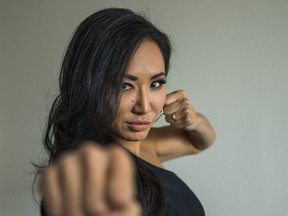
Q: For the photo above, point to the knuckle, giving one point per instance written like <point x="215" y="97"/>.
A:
<point x="88" y="146"/>
<point x="67" y="166"/>
<point x="186" y="102"/>
<point x="65" y="161"/>
<point x="186" y="112"/>
<point x="188" y="122"/>
<point x="182" y="93"/>
<point x="118" y="153"/>
<point x="120" y="158"/>
<point x="89" y="152"/>
<point x="90" y="159"/>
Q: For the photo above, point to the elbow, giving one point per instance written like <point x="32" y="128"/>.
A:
<point x="206" y="142"/>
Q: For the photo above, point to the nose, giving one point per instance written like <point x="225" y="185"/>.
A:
<point x="142" y="103"/>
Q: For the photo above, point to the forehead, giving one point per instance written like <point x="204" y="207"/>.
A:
<point x="147" y="60"/>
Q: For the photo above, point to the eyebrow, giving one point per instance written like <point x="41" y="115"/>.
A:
<point x="134" y="78"/>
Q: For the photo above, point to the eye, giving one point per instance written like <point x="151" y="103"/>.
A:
<point x="126" y="86"/>
<point x="158" y="84"/>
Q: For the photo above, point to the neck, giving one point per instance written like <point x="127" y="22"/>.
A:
<point x="132" y="146"/>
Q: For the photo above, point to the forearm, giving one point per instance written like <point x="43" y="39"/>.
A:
<point x="203" y="134"/>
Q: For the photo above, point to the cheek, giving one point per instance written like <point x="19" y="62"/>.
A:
<point x="159" y="101"/>
<point x="125" y="106"/>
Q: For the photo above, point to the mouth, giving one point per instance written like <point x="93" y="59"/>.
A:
<point x="139" y="125"/>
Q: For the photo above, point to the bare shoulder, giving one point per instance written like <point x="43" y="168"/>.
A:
<point x="169" y="143"/>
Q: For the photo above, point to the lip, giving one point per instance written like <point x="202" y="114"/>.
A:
<point x="139" y="125"/>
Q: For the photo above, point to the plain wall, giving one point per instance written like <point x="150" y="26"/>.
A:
<point x="230" y="56"/>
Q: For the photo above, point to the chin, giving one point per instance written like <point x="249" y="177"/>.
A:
<point x="136" y="136"/>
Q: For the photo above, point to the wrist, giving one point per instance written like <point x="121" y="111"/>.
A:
<point x="195" y="125"/>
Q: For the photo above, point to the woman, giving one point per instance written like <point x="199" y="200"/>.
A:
<point x="105" y="157"/>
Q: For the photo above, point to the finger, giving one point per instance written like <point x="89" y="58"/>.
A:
<point x="71" y="182"/>
<point x="121" y="189"/>
<point x="50" y="189"/>
<point x="174" y="96"/>
<point x="178" y="116"/>
<point x="175" y="113"/>
<point x="172" y="118"/>
<point x="192" y="121"/>
<point x="134" y="209"/>
<point x="178" y="110"/>
<point x="95" y="163"/>
<point x="171" y="108"/>
<point x="186" y="118"/>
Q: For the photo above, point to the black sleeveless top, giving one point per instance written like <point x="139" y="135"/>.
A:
<point x="180" y="200"/>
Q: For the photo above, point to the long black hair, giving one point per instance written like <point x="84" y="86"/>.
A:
<point x="90" y="84"/>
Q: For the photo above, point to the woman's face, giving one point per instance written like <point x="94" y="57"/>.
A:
<point x="143" y="94"/>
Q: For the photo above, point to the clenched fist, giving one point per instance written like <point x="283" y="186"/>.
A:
<point x="179" y="111"/>
<point x="90" y="181"/>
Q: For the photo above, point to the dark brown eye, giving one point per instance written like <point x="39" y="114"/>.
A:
<point x="126" y="86"/>
<point x="158" y="84"/>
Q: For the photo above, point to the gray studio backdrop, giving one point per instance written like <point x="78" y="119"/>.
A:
<point x="230" y="56"/>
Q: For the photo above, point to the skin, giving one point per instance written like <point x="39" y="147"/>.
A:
<point x="143" y="97"/>
<point x="77" y="184"/>
<point x="96" y="181"/>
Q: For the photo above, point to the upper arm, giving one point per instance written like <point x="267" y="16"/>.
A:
<point x="170" y="143"/>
